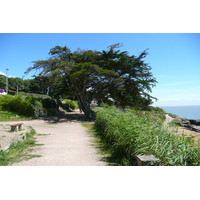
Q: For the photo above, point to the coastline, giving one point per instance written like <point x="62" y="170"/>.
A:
<point x="184" y="126"/>
<point x="185" y="131"/>
<point x="188" y="111"/>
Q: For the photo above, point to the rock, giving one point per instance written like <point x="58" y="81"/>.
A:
<point x="147" y="160"/>
<point x="186" y="122"/>
<point x="196" y="128"/>
<point x="177" y="121"/>
<point x="197" y="122"/>
<point x="191" y="124"/>
<point x="192" y="121"/>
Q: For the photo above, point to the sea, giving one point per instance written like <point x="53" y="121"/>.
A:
<point x="190" y="112"/>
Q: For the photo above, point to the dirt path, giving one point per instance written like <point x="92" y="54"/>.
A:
<point x="168" y="119"/>
<point x="66" y="143"/>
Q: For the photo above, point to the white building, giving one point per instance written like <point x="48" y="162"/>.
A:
<point x="2" y="92"/>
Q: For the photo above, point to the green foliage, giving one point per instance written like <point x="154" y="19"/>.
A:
<point x="110" y="75"/>
<point x="40" y="96"/>
<point x="10" y="116"/>
<point x="5" y="102"/>
<point x="2" y="82"/>
<point x="38" y="85"/>
<point x="20" y="151"/>
<point x="134" y="132"/>
<point x="50" y="106"/>
<point x="3" y="157"/>
<point x="29" y="106"/>
<point x="70" y="104"/>
<point x="155" y="113"/>
<point x="18" y="105"/>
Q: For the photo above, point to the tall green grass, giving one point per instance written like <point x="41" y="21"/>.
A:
<point x="134" y="133"/>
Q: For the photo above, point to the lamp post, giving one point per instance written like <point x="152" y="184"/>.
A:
<point x="7" y="80"/>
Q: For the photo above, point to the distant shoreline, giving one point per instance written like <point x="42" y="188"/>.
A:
<point x="189" y="112"/>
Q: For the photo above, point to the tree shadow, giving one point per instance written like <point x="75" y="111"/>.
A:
<point x="74" y="116"/>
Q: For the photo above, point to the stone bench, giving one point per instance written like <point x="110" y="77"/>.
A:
<point x="16" y="127"/>
<point x="147" y="160"/>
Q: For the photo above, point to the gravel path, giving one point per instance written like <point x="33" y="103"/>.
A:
<point x="66" y="143"/>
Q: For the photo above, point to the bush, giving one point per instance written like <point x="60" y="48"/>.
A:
<point x="50" y="106"/>
<point x="42" y="96"/>
<point x="132" y="133"/>
<point x="70" y="104"/>
<point x="5" y="102"/>
<point x="29" y="106"/>
<point x="18" y="105"/>
<point x="25" y="106"/>
<point x="34" y="106"/>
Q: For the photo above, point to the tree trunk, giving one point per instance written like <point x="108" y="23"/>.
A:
<point x="84" y="105"/>
<point x="83" y="101"/>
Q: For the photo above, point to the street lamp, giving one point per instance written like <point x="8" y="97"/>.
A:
<point x="7" y="80"/>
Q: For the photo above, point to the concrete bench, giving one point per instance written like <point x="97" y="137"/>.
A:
<point x="16" y="127"/>
<point x="147" y="160"/>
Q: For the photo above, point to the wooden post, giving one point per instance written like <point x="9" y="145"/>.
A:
<point x="20" y="127"/>
<point x="14" y="128"/>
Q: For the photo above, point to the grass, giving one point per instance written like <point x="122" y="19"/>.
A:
<point x="11" y="116"/>
<point x="130" y="133"/>
<point x="102" y="148"/>
<point x="45" y="134"/>
<point x="22" y="151"/>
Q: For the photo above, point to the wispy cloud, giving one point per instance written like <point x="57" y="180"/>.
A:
<point x="9" y="76"/>
<point x="189" y="94"/>
<point x="1" y="73"/>
<point x="177" y="102"/>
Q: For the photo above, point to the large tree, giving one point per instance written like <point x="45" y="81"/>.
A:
<point x="109" y="75"/>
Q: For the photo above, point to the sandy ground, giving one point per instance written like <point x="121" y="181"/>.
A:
<point x="182" y="130"/>
<point x="66" y="143"/>
<point x="7" y="137"/>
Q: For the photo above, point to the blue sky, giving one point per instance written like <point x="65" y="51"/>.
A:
<point x="174" y="57"/>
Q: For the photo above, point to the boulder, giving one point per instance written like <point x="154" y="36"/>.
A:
<point x="196" y="128"/>
<point x="191" y="124"/>
<point x="197" y="122"/>
<point x="192" y="121"/>
<point x="186" y="123"/>
<point x="177" y="121"/>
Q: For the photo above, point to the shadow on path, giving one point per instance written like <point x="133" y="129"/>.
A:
<point x="74" y="116"/>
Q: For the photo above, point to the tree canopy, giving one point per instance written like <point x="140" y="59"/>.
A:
<point x="109" y="76"/>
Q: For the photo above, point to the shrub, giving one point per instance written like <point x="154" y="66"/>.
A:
<point x="34" y="106"/>
<point x="50" y="106"/>
<point x="29" y="106"/>
<point x="131" y="133"/>
<point x="5" y="102"/>
<point x="18" y="104"/>
<point x="23" y="106"/>
<point x="70" y="104"/>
